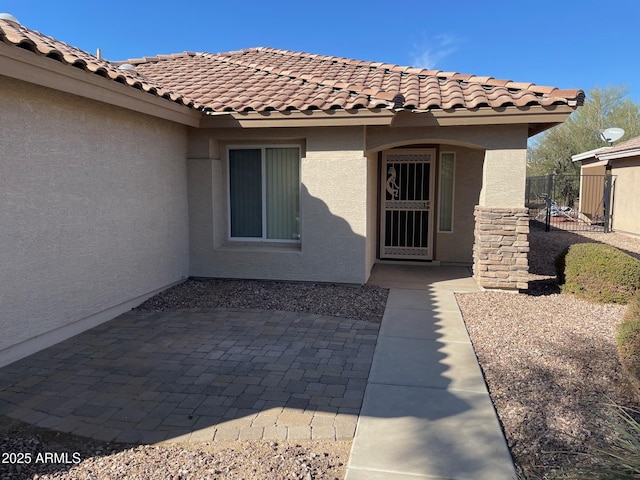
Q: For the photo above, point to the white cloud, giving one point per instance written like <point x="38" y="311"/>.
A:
<point x="431" y="52"/>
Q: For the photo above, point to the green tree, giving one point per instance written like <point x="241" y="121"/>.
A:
<point x="551" y="151"/>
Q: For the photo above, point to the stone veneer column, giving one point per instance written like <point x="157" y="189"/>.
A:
<point x="501" y="247"/>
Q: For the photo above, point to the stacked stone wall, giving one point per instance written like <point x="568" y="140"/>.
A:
<point x="501" y="247"/>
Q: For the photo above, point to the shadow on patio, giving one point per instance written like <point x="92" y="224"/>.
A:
<point x="198" y="375"/>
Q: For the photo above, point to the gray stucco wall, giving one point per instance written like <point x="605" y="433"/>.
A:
<point x="333" y="206"/>
<point x="93" y="209"/>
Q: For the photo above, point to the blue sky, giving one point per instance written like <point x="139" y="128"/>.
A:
<point x="564" y="43"/>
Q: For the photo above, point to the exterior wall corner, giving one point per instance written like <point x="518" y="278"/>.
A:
<point x="501" y="247"/>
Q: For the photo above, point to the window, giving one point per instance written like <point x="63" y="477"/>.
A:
<point x="264" y="193"/>
<point x="445" y="209"/>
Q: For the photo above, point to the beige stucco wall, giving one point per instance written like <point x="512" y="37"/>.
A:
<point x="625" y="208"/>
<point x="373" y="208"/>
<point x="333" y="208"/>
<point x="457" y="246"/>
<point x="505" y="158"/>
<point x="490" y="170"/>
<point x="503" y="178"/>
<point x="450" y="247"/>
<point x="93" y="208"/>
<point x="339" y="202"/>
<point x="486" y="137"/>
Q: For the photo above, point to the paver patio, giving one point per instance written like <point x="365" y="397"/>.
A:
<point x="198" y="375"/>
<point x="226" y="374"/>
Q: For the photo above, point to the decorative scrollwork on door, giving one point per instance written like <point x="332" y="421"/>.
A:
<point x="392" y="186"/>
<point x="406" y="217"/>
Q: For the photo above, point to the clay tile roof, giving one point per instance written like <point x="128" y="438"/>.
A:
<point x="320" y="82"/>
<point x="267" y="79"/>
<point x="17" y="35"/>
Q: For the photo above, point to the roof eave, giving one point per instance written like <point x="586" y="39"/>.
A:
<point x="589" y="154"/>
<point x="605" y="154"/>
<point x="537" y="116"/>
<point x="300" y="118"/>
<point x="634" y="152"/>
<point x="26" y="66"/>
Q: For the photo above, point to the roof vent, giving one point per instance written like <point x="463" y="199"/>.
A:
<point x="127" y="66"/>
<point x="9" y="17"/>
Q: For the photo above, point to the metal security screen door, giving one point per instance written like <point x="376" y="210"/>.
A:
<point x="406" y="216"/>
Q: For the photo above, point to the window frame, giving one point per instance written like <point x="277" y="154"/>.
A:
<point x="263" y="162"/>
<point x="453" y="191"/>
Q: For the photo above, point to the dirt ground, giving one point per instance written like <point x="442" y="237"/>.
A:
<point x="44" y="454"/>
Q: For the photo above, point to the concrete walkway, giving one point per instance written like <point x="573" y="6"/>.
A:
<point x="426" y="413"/>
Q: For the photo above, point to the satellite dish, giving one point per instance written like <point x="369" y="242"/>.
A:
<point x="610" y="135"/>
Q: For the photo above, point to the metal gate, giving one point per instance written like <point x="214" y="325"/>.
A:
<point x="571" y="202"/>
<point x="406" y="217"/>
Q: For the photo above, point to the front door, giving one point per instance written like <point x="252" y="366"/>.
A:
<point x="406" y="215"/>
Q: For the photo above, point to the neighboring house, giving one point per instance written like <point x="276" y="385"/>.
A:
<point x="117" y="181"/>
<point x="622" y="162"/>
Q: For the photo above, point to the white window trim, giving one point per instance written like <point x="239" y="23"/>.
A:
<point x="262" y="148"/>
<point x="453" y="192"/>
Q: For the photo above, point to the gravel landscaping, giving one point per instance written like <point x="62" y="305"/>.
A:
<point x="549" y="360"/>
<point x="364" y="302"/>
<point x="85" y="459"/>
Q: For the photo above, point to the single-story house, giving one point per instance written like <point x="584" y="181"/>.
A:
<point x="118" y="180"/>
<point x="622" y="162"/>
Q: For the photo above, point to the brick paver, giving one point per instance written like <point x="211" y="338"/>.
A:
<point x="198" y="375"/>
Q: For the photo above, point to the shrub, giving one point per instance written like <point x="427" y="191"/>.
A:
<point x="561" y="261"/>
<point x="599" y="272"/>
<point x="621" y="459"/>
<point x="633" y="309"/>
<point x="628" y="342"/>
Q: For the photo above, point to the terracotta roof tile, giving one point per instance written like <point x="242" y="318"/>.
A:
<point x="262" y="79"/>
<point x="17" y="35"/>
<point x="373" y="84"/>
